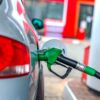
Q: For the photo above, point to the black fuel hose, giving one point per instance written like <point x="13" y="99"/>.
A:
<point x="74" y="64"/>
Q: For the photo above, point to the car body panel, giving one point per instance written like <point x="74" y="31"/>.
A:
<point x="15" y="88"/>
<point x="9" y="26"/>
<point x="12" y="25"/>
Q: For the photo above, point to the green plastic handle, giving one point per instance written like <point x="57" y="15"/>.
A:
<point x="50" y="56"/>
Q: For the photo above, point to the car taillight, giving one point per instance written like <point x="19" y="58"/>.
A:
<point x="14" y="58"/>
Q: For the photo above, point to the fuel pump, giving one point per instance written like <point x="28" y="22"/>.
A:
<point x="54" y="55"/>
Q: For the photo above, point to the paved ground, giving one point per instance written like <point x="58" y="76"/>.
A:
<point x="54" y="88"/>
<point x="81" y="91"/>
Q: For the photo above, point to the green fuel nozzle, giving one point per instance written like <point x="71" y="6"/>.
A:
<point x="50" y="56"/>
<point x="54" y="55"/>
